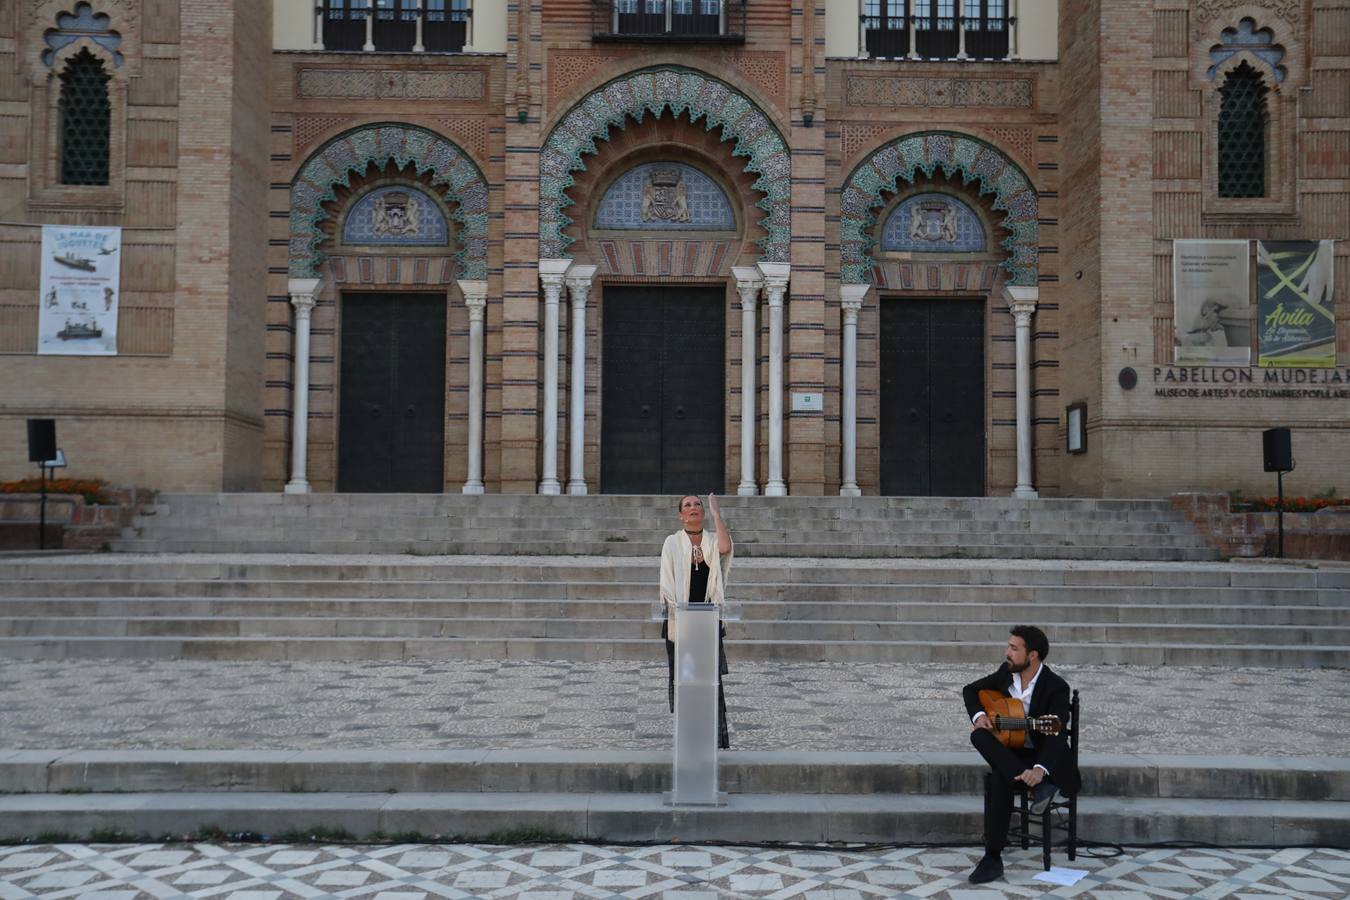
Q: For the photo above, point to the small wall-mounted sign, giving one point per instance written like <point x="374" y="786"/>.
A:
<point x="805" y="401"/>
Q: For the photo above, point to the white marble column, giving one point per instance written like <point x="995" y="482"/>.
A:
<point x="1022" y="304"/>
<point x="961" y="28"/>
<point x="579" y="286"/>
<point x="851" y="298"/>
<point x="552" y="274"/>
<point x="302" y="292"/>
<point x="475" y="298"/>
<point x="748" y="283"/>
<point x="1013" y="12"/>
<point x="775" y="286"/>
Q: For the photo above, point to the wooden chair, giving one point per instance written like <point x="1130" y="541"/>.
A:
<point x="1020" y="828"/>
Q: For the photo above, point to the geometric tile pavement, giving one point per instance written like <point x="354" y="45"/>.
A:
<point x="114" y="704"/>
<point x="685" y="872"/>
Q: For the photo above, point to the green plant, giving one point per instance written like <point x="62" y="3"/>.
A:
<point x="54" y="837"/>
<point x="527" y="835"/>
<point x="112" y="835"/>
<point x="318" y="834"/>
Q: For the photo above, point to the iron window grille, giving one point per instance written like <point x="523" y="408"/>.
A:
<point x="1242" y="134"/>
<point x="886" y="28"/>
<point x="85" y="121"/>
<point x="935" y="31"/>
<point x="716" y="21"/>
<point x="390" y="26"/>
<point x="987" y="29"/>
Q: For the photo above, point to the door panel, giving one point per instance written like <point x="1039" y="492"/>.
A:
<point x="391" y="417"/>
<point x="932" y="397"/>
<point x="662" y="395"/>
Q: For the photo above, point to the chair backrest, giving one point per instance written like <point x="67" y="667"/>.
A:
<point x="1075" y="723"/>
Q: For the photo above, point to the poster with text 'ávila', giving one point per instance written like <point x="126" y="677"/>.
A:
<point x="1295" y="322"/>
<point x="77" y="309"/>
<point x="1212" y="308"/>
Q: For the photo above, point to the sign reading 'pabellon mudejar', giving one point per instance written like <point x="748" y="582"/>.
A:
<point x="78" y="290"/>
<point x="1245" y="383"/>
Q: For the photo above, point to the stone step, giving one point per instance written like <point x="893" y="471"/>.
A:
<point x="824" y="596"/>
<point x="830" y="550"/>
<point x="593" y="648"/>
<point x="947" y="630"/>
<point x="630" y="771"/>
<point x="1067" y="612"/>
<point x="601" y="817"/>
<point x="398" y="568"/>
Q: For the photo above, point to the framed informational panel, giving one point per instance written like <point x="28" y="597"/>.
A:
<point x="78" y="290"/>
<point x="1296" y="324"/>
<point x="1212" y="303"/>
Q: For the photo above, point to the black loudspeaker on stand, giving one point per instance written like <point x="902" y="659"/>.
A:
<point x="1279" y="458"/>
<point x="42" y="450"/>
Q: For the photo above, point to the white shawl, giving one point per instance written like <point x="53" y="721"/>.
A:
<point x="677" y="558"/>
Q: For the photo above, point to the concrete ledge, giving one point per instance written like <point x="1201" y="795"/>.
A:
<point x="643" y="817"/>
<point x="638" y="772"/>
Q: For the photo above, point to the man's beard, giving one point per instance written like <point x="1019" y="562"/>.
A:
<point x="1015" y="667"/>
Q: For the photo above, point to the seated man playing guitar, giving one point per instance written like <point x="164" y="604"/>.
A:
<point x="1016" y="715"/>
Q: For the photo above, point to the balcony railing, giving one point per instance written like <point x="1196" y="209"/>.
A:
<point x="394" y="26"/>
<point x="925" y="34"/>
<point x="709" y="21"/>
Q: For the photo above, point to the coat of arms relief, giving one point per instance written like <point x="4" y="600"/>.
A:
<point x="665" y="197"/>
<point x="933" y="221"/>
<point x="396" y="214"/>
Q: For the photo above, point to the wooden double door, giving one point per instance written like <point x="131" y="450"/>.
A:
<point x="932" y="397"/>
<point x="663" y="393"/>
<point x="391" y="413"/>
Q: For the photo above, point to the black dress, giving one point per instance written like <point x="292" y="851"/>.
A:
<point x="698" y="592"/>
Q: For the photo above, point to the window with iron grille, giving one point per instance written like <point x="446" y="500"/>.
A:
<point x="1242" y="134"/>
<point x="886" y="28"/>
<point x="85" y="117"/>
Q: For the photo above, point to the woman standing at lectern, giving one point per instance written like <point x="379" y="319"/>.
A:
<point x="694" y="568"/>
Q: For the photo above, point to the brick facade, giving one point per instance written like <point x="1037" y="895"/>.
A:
<point x="212" y="128"/>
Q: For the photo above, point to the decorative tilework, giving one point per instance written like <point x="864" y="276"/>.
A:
<point x="452" y="170"/>
<point x="1259" y="42"/>
<point x="708" y="206"/>
<point x="976" y="161"/>
<point x="655" y="90"/>
<point x="431" y="228"/>
<point x="897" y="233"/>
<point x="84" y="23"/>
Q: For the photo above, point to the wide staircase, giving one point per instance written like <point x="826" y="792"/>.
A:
<point x="240" y="577"/>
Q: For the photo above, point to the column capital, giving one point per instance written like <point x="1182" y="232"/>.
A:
<point x="775" y="279"/>
<point x="475" y="292"/>
<point x="851" y="296"/>
<point x="1016" y="295"/>
<point x="302" y="291"/>
<point x="553" y="274"/>
<point x="579" y="279"/>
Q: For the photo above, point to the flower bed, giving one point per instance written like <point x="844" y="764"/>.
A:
<point x="92" y="489"/>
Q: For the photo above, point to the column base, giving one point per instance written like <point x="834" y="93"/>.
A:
<point x="1023" y="492"/>
<point x="746" y="489"/>
<point x="296" y="486"/>
<point x="576" y="488"/>
<point x="551" y="487"/>
<point x="850" y="490"/>
<point x="473" y="487"/>
<point x="775" y="489"/>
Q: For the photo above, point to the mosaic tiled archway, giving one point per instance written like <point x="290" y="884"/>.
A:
<point x="993" y="172"/>
<point x="452" y="171"/>
<point x="655" y="90"/>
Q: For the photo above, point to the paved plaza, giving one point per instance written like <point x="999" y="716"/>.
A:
<point x="580" y="872"/>
<point x="505" y="704"/>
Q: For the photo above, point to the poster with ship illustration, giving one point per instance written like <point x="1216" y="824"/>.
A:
<point x="78" y="291"/>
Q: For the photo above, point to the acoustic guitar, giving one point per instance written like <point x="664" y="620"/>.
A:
<point x="1011" y="722"/>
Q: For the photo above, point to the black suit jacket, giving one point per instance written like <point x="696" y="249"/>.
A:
<point x="1051" y="698"/>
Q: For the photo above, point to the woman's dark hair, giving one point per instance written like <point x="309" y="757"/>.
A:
<point x="679" y="504"/>
<point x="1033" y="637"/>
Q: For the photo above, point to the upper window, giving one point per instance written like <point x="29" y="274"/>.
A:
<point x="670" y="20"/>
<point x="395" y="25"/>
<point x="85" y="120"/>
<point x="665" y="196"/>
<point x="938" y="30"/>
<point x="1242" y="134"/>
<point x="933" y="223"/>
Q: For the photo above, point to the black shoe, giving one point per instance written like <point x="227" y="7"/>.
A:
<point x="1041" y="796"/>
<point x="990" y="868"/>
